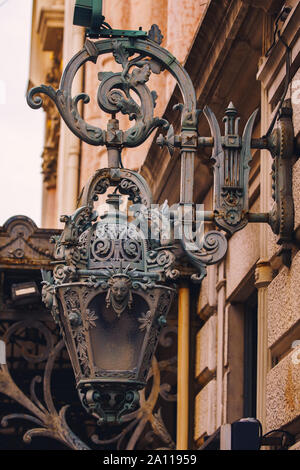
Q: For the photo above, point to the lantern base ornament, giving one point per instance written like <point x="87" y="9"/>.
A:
<point x="110" y="402"/>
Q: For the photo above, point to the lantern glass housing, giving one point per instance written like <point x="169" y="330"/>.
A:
<point x="111" y="301"/>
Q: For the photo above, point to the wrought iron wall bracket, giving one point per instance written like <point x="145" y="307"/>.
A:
<point x="282" y="151"/>
<point x="112" y="269"/>
<point x="231" y="160"/>
<point x="231" y="155"/>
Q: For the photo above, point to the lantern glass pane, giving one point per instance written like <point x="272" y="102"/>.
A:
<point x="116" y="339"/>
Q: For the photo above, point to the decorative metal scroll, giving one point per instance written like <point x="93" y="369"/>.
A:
<point x="48" y="422"/>
<point x="282" y="150"/>
<point x="114" y="92"/>
<point x="22" y="243"/>
<point x="110" y="269"/>
<point x="212" y="250"/>
<point x="126" y="182"/>
<point x="232" y="158"/>
<point x="139" y="57"/>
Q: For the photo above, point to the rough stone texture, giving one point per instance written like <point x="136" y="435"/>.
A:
<point x="205" y="411"/>
<point x="272" y="246"/>
<point x="242" y="254"/>
<point x="296" y="191"/>
<point x="295" y="86"/>
<point x="183" y="19"/>
<point x="284" y="301"/>
<point x="206" y="350"/>
<point x="283" y="392"/>
<point x="295" y="95"/>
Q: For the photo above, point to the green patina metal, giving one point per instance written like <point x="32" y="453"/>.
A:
<point x="98" y="277"/>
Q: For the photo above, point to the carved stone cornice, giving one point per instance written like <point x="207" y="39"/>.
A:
<point x="50" y="25"/>
<point x="49" y="167"/>
<point x="272" y="72"/>
<point x="23" y="244"/>
<point x="50" y="152"/>
<point x="221" y="283"/>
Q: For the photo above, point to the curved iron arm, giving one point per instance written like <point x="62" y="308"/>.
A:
<point x="122" y="48"/>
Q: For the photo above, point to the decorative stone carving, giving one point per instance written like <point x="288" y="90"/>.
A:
<point x="50" y="25"/>
<point x="263" y="274"/>
<point x="50" y="152"/>
<point x="22" y="243"/>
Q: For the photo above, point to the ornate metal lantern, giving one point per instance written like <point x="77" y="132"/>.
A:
<point x="110" y="295"/>
<point x="113" y="280"/>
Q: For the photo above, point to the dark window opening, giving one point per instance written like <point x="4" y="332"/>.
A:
<point x="250" y="356"/>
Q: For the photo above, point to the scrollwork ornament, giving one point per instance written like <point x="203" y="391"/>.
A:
<point x="155" y="34"/>
<point x="143" y="283"/>
<point x="48" y="293"/>
<point x="210" y="250"/>
<point x="172" y="274"/>
<point x="282" y="214"/>
<point x="59" y="273"/>
<point x="115" y="89"/>
<point x="48" y="422"/>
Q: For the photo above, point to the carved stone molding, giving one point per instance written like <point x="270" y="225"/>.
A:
<point x="22" y="243"/>
<point x="263" y="274"/>
<point x="274" y="65"/>
<point x="50" y="25"/>
<point x="49" y="167"/>
<point x="52" y="133"/>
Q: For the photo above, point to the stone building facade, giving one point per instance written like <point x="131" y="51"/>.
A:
<point x="243" y="355"/>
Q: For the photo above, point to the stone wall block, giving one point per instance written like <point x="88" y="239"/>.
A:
<point x="295" y="96"/>
<point x="205" y="411"/>
<point x="242" y="254"/>
<point x="283" y="391"/>
<point x="284" y="301"/>
<point x="206" y="351"/>
<point x="296" y="192"/>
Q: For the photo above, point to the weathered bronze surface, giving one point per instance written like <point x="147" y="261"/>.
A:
<point x="110" y="294"/>
<point x="113" y="280"/>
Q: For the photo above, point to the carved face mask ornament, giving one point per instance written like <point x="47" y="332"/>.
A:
<point x="119" y="294"/>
